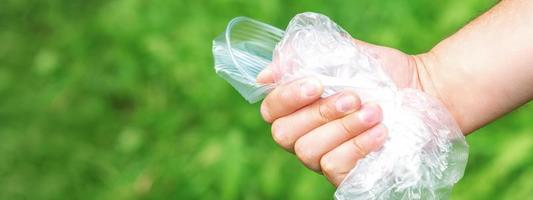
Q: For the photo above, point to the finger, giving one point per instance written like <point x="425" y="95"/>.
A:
<point x="266" y="76"/>
<point x="313" y="145"/>
<point x="337" y="163"/>
<point x="286" y="99"/>
<point x="286" y="130"/>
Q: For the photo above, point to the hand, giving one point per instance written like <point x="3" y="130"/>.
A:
<point x="330" y="135"/>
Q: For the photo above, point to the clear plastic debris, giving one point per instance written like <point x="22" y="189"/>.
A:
<point x="425" y="153"/>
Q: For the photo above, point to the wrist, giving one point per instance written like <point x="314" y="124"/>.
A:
<point x="427" y="70"/>
<point x="424" y="63"/>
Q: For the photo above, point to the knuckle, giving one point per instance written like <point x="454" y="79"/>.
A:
<point x="344" y="125"/>
<point x="325" y="111"/>
<point x="359" y="149"/>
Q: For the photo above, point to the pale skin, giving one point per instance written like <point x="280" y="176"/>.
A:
<point x="480" y="73"/>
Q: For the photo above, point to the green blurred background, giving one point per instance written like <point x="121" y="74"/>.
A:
<point x="119" y="100"/>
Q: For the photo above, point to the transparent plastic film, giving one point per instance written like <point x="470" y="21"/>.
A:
<point x="425" y="153"/>
<point x="242" y="51"/>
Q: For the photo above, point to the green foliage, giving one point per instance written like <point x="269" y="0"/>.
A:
<point x="119" y="100"/>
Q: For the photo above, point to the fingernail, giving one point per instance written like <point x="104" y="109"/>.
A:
<point x="310" y="88"/>
<point x="370" y="114"/>
<point x="345" y="103"/>
<point x="377" y="132"/>
<point x="265" y="113"/>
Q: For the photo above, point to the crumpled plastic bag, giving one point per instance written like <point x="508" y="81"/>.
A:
<point x="425" y="153"/>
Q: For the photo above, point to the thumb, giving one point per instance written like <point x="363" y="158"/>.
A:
<point x="266" y="76"/>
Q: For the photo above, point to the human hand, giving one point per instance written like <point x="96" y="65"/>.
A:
<point x="329" y="135"/>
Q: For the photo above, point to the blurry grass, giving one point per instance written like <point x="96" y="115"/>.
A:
<point x="119" y="100"/>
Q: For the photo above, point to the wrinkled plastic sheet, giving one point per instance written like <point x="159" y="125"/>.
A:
<point x="425" y="153"/>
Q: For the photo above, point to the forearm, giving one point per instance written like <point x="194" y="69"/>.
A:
<point x="486" y="69"/>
